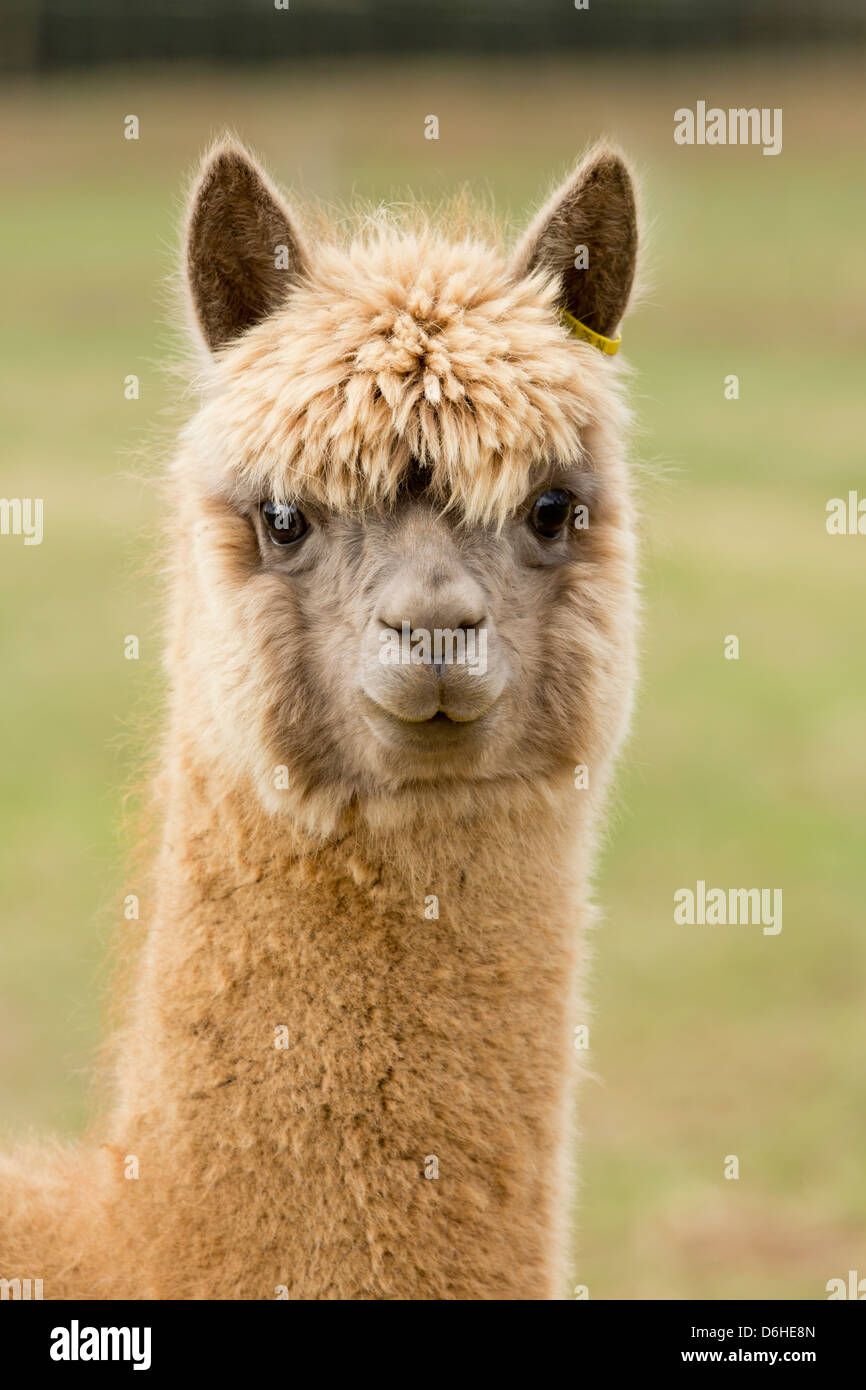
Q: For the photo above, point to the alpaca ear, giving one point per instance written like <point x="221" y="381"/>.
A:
<point x="587" y="235"/>
<point x="242" y="249"/>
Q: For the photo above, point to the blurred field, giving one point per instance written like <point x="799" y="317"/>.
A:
<point x="707" y="1042"/>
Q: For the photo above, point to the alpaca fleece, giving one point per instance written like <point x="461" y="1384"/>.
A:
<point x="321" y="1089"/>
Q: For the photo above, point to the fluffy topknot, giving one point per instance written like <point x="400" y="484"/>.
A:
<point x="404" y="348"/>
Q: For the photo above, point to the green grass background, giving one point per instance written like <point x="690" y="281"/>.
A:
<point x="706" y="1042"/>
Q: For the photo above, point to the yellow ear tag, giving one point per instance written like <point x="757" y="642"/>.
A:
<point x="610" y="346"/>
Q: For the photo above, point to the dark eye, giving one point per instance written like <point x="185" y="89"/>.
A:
<point x="284" y="521"/>
<point x="550" y="513"/>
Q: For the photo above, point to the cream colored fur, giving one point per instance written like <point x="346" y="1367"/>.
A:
<point x="413" y="1139"/>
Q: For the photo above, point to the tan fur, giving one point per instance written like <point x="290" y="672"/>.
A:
<point x="412" y="395"/>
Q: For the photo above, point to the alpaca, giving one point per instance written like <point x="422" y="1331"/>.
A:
<point x="347" y="1067"/>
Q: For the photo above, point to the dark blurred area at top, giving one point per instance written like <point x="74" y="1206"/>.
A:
<point x="41" y="35"/>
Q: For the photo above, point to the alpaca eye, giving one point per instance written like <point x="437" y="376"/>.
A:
<point x="550" y="513"/>
<point x="285" y="522"/>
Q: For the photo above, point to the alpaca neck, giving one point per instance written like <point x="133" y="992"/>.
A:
<point x="348" y="1068"/>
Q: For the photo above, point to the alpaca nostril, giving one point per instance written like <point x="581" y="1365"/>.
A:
<point x="397" y="625"/>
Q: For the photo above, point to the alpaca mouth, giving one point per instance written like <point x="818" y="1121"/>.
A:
<point x="437" y="735"/>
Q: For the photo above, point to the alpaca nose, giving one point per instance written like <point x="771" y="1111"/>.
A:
<point x="433" y="649"/>
<point x="441" y="639"/>
<point x="435" y="607"/>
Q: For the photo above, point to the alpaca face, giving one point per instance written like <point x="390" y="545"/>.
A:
<point x="413" y="553"/>
<point x="437" y="649"/>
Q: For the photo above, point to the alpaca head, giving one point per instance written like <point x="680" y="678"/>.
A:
<point x="405" y="554"/>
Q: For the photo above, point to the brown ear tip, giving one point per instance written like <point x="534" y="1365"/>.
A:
<point x="226" y="153"/>
<point x="607" y="160"/>
<point x="227" y="169"/>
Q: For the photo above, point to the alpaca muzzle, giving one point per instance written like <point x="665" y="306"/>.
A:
<point x="424" y="675"/>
